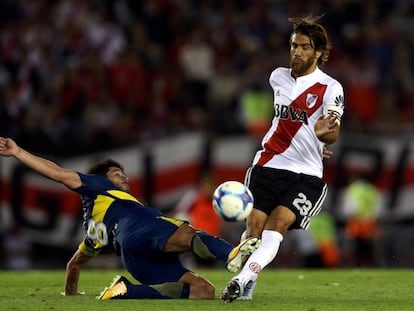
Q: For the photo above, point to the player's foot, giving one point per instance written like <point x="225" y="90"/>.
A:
<point x="232" y="291"/>
<point x="245" y="248"/>
<point x="117" y="289"/>
<point x="242" y="238"/>
<point x="248" y="290"/>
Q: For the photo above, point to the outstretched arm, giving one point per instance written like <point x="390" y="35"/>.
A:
<point x="49" y="169"/>
<point x="73" y="272"/>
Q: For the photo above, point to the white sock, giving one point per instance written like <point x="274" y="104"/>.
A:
<point x="261" y="257"/>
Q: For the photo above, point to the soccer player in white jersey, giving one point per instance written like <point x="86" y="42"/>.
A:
<point x="286" y="175"/>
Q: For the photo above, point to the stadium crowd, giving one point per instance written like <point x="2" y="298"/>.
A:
<point x="78" y="75"/>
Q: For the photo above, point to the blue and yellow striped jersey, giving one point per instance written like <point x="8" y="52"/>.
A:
<point x="105" y="207"/>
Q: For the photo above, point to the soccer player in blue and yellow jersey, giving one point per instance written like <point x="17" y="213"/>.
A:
<point x="148" y="242"/>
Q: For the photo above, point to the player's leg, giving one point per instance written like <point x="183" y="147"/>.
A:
<point x="189" y="286"/>
<point x="200" y="288"/>
<point x="301" y="200"/>
<point x="122" y="288"/>
<point x="187" y="238"/>
<point x="254" y="227"/>
<point x="276" y="226"/>
<point x="161" y="276"/>
<point x="243" y="285"/>
<point x="206" y="246"/>
<point x="255" y="223"/>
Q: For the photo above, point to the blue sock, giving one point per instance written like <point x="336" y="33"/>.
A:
<point x="171" y="290"/>
<point x="209" y="247"/>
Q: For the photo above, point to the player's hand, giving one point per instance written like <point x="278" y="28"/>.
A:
<point x="325" y="125"/>
<point x="326" y="152"/>
<point x="327" y="128"/>
<point x="8" y="147"/>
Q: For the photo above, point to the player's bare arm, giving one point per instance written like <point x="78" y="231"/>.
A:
<point x="48" y="169"/>
<point x="72" y="273"/>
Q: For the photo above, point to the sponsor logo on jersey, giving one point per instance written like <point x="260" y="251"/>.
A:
<point x="289" y="112"/>
<point x="339" y="101"/>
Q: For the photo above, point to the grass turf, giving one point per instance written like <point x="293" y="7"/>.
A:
<point x="288" y="289"/>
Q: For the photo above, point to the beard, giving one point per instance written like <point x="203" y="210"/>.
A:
<point x="299" y="69"/>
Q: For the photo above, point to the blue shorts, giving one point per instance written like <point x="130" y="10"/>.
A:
<point x="138" y="236"/>
<point x="141" y="243"/>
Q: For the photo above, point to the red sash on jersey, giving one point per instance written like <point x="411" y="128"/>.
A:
<point x="307" y="102"/>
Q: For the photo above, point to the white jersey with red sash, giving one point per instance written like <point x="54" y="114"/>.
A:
<point x="291" y="143"/>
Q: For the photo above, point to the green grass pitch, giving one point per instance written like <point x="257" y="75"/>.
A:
<point x="285" y="289"/>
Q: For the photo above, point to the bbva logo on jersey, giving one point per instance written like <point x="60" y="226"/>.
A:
<point x="288" y="112"/>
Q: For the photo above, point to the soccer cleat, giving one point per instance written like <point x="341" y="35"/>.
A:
<point x="245" y="248"/>
<point x="248" y="290"/>
<point x="232" y="291"/>
<point x="117" y="289"/>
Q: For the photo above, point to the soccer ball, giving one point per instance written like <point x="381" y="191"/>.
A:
<point x="232" y="201"/>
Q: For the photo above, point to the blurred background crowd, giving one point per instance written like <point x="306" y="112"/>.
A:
<point x="79" y="75"/>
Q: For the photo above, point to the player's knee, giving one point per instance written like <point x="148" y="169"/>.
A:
<point x="202" y="290"/>
<point x="281" y="226"/>
<point x="280" y="220"/>
<point x="180" y="240"/>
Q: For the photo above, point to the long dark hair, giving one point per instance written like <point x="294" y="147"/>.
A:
<point x="309" y="26"/>
<point x="101" y="168"/>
